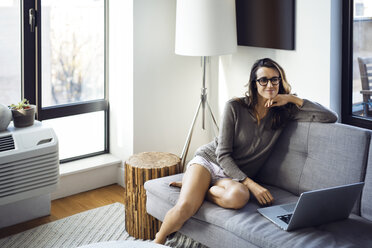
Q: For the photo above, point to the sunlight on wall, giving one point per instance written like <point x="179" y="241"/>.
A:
<point x="223" y="94"/>
<point x="121" y="77"/>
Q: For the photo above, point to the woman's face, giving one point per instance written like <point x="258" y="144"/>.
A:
<point x="269" y="91"/>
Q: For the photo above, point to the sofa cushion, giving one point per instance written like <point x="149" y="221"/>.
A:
<point x="285" y="165"/>
<point x="249" y="225"/>
<point x="312" y="155"/>
<point x="366" y="203"/>
<point x="337" y="154"/>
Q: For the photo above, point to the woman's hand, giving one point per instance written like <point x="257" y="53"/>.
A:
<point x="283" y="99"/>
<point x="262" y="195"/>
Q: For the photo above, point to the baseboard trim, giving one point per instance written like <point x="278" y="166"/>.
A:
<point x="121" y="175"/>
<point x="88" y="174"/>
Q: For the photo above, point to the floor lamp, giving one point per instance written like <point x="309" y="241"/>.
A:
<point x="204" y="28"/>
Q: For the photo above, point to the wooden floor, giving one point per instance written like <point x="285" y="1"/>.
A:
<point x="71" y="205"/>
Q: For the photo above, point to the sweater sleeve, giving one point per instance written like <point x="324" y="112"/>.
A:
<point x="311" y="111"/>
<point x="225" y="144"/>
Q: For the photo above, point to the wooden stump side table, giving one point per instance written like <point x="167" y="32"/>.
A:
<point x="138" y="169"/>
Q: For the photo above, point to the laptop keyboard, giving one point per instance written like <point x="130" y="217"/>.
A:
<point x="286" y="218"/>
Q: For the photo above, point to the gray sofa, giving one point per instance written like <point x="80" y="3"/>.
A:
<point x="308" y="156"/>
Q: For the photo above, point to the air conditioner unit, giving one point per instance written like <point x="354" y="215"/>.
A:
<point x="29" y="172"/>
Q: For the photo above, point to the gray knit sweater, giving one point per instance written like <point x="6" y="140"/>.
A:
<point x="242" y="146"/>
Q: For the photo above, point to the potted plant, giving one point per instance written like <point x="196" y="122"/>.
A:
<point x="23" y="113"/>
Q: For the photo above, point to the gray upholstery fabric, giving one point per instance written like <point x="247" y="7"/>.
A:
<point x="313" y="155"/>
<point x="284" y="167"/>
<point x="337" y="154"/>
<point x="247" y="224"/>
<point x="366" y="204"/>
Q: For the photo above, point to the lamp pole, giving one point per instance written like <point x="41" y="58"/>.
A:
<point x="202" y="103"/>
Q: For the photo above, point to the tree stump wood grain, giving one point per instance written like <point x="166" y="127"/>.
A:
<point x="138" y="169"/>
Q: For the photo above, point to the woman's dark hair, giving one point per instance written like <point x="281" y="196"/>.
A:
<point x="281" y="114"/>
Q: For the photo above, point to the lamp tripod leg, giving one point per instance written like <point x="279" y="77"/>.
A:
<point x="188" y="139"/>
<point x="214" y="119"/>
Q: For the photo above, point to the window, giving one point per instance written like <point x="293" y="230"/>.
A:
<point x="59" y="64"/>
<point x="10" y="59"/>
<point x="357" y="63"/>
<point x="72" y="51"/>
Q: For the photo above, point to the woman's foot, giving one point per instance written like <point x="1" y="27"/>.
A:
<point x="159" y="240"/>
<point x="176" y="184"/>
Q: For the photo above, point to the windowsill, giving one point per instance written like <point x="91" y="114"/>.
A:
<point x="88" y="164"/>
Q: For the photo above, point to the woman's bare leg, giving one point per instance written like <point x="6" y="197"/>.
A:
<point x="195" y="184"/>
<point x="228" y="193"/>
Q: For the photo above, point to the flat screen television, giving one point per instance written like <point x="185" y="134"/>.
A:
<point x="266" y="23"/>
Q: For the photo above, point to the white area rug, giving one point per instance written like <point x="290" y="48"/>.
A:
<point x="97" y="225"/>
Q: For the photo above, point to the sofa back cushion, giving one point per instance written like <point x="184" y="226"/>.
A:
<point x="312" y="155"/>
<point x="285" y="165"/>
<point x="366" y="204"/>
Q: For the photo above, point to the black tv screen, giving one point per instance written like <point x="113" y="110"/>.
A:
<point x="266" y="23"/>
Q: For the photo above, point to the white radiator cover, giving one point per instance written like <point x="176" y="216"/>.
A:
<point x="29" y="164"/>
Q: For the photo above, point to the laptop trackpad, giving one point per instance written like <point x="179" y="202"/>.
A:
<point x="289" y="207"/>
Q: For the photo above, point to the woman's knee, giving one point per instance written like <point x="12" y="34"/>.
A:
<point x="236" y="196"/>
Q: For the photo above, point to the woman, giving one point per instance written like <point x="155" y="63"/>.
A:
<point x="222" y="170"/>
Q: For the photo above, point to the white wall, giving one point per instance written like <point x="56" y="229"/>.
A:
<point x="166" y="86"/>
<point x="153" y="105"/>
<point x="307" y="67"/>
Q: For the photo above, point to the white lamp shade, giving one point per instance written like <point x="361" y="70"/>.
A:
<point x="205" y="27"/>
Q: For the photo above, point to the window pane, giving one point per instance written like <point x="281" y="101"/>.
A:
<point x="79" y="134"/>
<point x="362" y="53"/>
<point x="10" y="50"/>
<point x="72" y="51"/>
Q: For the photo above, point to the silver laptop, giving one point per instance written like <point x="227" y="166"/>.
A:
<point x="315" y="207"/>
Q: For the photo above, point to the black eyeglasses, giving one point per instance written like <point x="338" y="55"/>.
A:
<point x="264" y="81"/>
